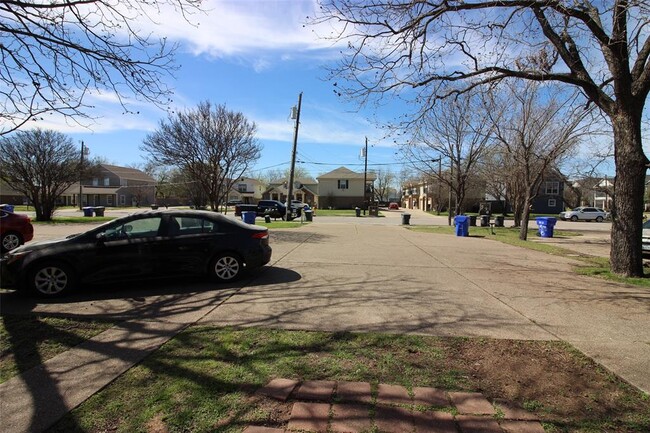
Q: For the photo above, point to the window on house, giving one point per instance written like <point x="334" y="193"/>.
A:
<point x="552" y="188"/>
<point x="551" y="202"/>
<point x="107" y="181"/>
<point x="343" y="184"/>
<point x="241" y="187"/>
<point x="109" y="200"/>
<point x="95" y="181"/>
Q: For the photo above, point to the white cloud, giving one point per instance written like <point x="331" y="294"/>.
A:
<point x="245" y="27"/>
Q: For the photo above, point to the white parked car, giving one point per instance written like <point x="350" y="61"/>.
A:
<point x="585" y="214"/>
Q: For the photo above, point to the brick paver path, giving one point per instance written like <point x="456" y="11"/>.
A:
<point x="323" y="406"/>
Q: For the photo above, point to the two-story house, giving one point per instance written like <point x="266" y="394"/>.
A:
<point x="113" y="186"/>
<point x="344" y="189"/>
<point x="305" y="190"/>
<point x="246" y="190"/>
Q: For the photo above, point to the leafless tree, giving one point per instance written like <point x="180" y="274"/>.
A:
<point x="42" y="165"/>
<point x="602" y="47"/>
<point x="212" y="145"/>
<point x="53" y="54"/>
<point x="535" y="129"/>
<point x="384" y="184"/>
<point x="455" y="133"/>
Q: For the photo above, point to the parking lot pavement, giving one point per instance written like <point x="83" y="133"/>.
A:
<point x="353" y="277"/>
<point x="369" y="278"/>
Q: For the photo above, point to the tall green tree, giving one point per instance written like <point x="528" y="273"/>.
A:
<point x="41" y="164"/>
<point x="601" y="47"/>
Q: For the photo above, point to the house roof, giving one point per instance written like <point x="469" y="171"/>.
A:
<point x="128" y="173"/>
<point x="303" y="180"/>
<point x="346" y="173"/>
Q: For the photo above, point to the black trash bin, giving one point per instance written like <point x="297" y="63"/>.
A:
<point x="88" y="211"/>
<point x="406" y="219"/>
<point x="267" y="218"/>
<point x="472" y="220"/>
<point x="498" y="221"/>
<point x="99" y="211"/>
<point x="309" y="215"/>
<point x="154" y="206"/>
<point x="357" y="210"/>
<point x="485" y="220"/>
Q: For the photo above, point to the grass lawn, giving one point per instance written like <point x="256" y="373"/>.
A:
<point x="593" y="266"/>
<point x="75" y="220"/>
<point x="341" y="213"/>
<point x="204" y="380"/>
<point x="28" y="340"/>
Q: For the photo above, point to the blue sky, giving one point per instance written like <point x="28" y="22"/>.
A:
<point x="254" y="56"/>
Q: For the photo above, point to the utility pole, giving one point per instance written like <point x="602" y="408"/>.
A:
<point x="365" y="178"/>
<point x="451" y="183"/>
<point x="295" y="114"/>
<point x="81" y="171"/>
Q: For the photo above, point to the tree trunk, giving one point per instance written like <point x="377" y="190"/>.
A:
<point x="525" y="216"/>
<point x="627" y="213"/>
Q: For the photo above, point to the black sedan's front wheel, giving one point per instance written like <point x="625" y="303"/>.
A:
<point x="50" y="279"/>
<point x="226" y="267"/>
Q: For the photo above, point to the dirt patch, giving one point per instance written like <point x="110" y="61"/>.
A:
<point x="551" y="379"/>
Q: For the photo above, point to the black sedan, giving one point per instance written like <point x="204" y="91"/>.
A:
<point x="144" y="245"/>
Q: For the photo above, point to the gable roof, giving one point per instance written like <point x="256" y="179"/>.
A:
<point x="299" y="180"/>
<point x="128" y="173"/>
<point x="346" y="173"/>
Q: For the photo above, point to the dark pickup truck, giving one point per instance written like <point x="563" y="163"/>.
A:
<point x="272" y="208"/>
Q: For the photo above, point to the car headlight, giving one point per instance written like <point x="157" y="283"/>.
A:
<point x="13" y="257"/>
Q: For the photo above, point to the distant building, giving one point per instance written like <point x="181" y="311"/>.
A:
<point x="113" y="186"/>
<point x="305" y="189"/>
<point x="344" y="189"/>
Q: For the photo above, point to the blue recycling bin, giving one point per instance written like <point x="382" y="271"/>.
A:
<point x="462" y="225"/>
<point x="7" y="207"/>
<point x="248" y="217"/>
<point x="88" y="211"/>
<point x="546" y="225"/>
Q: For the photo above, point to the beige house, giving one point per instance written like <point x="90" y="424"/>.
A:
<point x="305" y="190"/>
<point x="344" y="189"/>
<point x="246" y="190"/>
<point x="113" y="186"/>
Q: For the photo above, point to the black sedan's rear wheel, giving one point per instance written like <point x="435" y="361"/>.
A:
<point x="226" y="267"/>
<point x="10" y="240"/>
<point x="50" y="279"/>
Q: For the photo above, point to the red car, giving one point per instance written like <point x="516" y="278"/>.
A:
<point x="393" y="205"/>
<point x="15" y="230"/>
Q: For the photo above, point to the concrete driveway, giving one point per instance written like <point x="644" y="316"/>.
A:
<point x="353" y="274"/>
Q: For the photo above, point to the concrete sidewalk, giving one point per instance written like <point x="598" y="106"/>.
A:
<point x="358" y="277"/>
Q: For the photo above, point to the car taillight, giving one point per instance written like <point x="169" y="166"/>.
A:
<point x="260" y="235"/>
